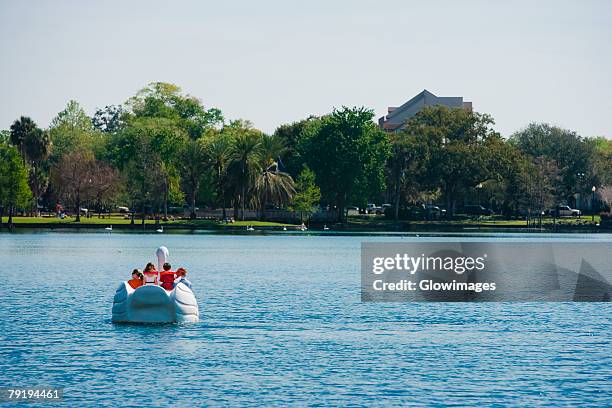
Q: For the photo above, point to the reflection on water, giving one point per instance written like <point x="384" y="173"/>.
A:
<point x="282" y="322"/>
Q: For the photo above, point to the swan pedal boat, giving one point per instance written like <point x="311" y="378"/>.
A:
<point x="154" y="304"/>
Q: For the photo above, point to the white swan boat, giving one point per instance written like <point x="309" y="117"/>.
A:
<point x="154" y="304"/>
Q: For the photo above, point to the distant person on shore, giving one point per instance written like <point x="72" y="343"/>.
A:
<point x="181" y="276"/>
<point x="137" y="279"/>
<point x="167" y="277"/>
<point x="150" y="274"/>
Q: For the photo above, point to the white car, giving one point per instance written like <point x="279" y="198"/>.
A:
<point x="566" y="211"/>
<point x="373" y="209"/>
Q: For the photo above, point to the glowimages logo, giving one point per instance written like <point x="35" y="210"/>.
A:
<point x="485" y="271"/>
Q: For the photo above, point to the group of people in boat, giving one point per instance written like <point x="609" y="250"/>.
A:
<point x="168" y="279"/>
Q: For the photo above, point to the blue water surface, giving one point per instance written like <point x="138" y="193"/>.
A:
<point x="282" y="324"/>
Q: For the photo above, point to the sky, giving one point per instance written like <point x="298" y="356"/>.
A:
<point x="275" y="62"/>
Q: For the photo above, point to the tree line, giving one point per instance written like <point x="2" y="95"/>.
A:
<point x="163" y="149"/>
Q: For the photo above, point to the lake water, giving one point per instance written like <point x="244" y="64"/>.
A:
<point x="282" y="323"/>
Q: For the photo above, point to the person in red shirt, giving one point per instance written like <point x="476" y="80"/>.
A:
<point x="167" y="277"/>
<point x="137" y="279"/>
<point x="181" y="276"/>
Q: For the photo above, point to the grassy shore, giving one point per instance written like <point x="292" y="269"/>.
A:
<point x="122" y="221"/>
<point x="354" y="223"/>
<point x="380" y="223"/>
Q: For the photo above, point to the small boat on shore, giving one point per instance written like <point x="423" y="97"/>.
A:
<point x="154" y="304"/>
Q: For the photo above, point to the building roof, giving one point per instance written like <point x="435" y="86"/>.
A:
<point x="422" y="95"/>
<point x="397" y="116"/>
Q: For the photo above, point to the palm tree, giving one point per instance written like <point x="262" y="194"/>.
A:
<point x="33" y="144"/>
<point x="218" y="153"/>
<point x="245" y="165"/>
<point x="273" y="186"/>
<point x="19" y="132"/>
<point x="272" y="149"/>
<point x="37" y="147"/>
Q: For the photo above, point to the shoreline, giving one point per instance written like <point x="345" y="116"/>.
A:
<point x="404" y="227"/>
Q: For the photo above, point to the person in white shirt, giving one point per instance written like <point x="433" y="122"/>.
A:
<point x="150" y="274"/>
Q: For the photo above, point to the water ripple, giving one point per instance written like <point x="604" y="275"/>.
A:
<point x="281" y="327"/>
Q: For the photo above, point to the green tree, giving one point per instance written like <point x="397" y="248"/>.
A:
<point x="165" y="100"/>
<point x="307" y="194"/>
<point x="192" y="164"/>
<point x="529" y="185"/>
<point x="170" y="119"/>
<point x="464" y="149"/>
<point x="146" y="151"/>
<point x="142" y="184"/>
<point x="348" y="153"/>
<point x="34" y="145"/>
<point x="572" y="155"/>
<point x="72" y="130"/>
<point x="602" y="161"/>
<point x="14" y="190"/>
<point x="5" y="137"/>
<point x="110" y="119"/>
<point x="171" y="190"/>
<point x="541" y="175"/>
<point x="292" y="135"/>
<point x="407" y="169"/>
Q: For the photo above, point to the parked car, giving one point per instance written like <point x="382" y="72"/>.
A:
<point x="565" y="211"/>
<point x="123" y="210"/>
<point x="411" y="212"/>
<point x="374" y="209"/>
<point x="477" y="210"/>
<point x="352" y="210"/>
<point x="433" y="211"/>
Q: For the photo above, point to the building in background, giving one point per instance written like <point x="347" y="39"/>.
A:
<point x="397" y="116"/>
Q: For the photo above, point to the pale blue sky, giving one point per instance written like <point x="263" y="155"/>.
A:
<point x="274" y="62"/>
